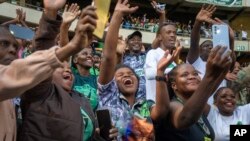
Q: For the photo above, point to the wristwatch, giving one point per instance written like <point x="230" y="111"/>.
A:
<point x="161" y="78"/>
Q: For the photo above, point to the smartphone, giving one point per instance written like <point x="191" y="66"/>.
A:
<point x="104" y="122"/>
<point x="102" y="11"/>
<point x="160" y="6"/>
<point x="21" y="32"/>
<point x="221" y="35"/>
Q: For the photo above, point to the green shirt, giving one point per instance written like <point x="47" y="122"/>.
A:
<point x="87" y="85"/>
<point x="94" y="71"/>
<point x="89" y="127"/>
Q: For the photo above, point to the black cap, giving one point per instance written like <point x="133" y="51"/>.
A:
<point x="136" y="33"/>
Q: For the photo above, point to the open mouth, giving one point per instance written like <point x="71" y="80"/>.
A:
<point x="128" y="82"/>
<point x="67" y="76"/>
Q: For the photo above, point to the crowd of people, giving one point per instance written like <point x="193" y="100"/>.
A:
<point x="143" y="23"/>
<point x="52" y="87"/>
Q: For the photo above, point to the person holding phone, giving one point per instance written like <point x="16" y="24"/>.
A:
<point x="198" y="55"/>
<point x="186" y="121"/>
<point x="118" y="87"/>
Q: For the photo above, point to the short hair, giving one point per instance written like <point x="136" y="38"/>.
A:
<point x="119" y="66"/>
<point x="163" y="25"/>
<point x="73" y="64"/>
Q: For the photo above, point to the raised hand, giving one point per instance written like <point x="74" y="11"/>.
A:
<point x="21" y="15"/>
<point x="23" y="18"/>
<point x="70" y="13"/>
<point x="54" y="4"/>
<point x="168" y="59"/>
<point x="18" y="15"/>
<point x="219" y="62"/>
<point x="85" y="27"/>
<point x="205" y="14"/>
<point x="231" y="77"/>
<point x="158" y="10"/>
<point x="124" y="8"/>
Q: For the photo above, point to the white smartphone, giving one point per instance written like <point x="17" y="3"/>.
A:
<point x="160" y="6"/>
<point x="220" y="35"/>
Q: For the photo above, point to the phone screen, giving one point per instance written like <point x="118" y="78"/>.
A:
<point x="220" y="35"/>
<point x="104" y="121"/>
<point x="21" y="32"/>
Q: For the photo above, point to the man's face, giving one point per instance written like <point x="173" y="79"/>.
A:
<point x="135" y="44"/>
<point x="167" y="36"/>
<point x="8" y="48"/>
<point x="205" y="49"/>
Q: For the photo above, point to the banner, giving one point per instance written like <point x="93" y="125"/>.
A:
<point x="227" y="3"/>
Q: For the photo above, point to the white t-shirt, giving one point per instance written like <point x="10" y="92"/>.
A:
<point x="200" y="65"/>
<point x="221" y="124"/>
<point x="150" y="68"/>
<point x="244" y="34"/>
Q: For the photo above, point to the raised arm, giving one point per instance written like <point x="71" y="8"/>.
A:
<point x="14" y="21"/>
<point x="69" y="15"/>
<point x="39" y="66"/>
<point x="161" y="108"/>
<point x="49" y="25"/>
<point x="161" y="12"/>
<point x="217" y="66"/>
<point x="22" y="17"/>
<point x="204" y="15"/>
<point x="109" y="60"/>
